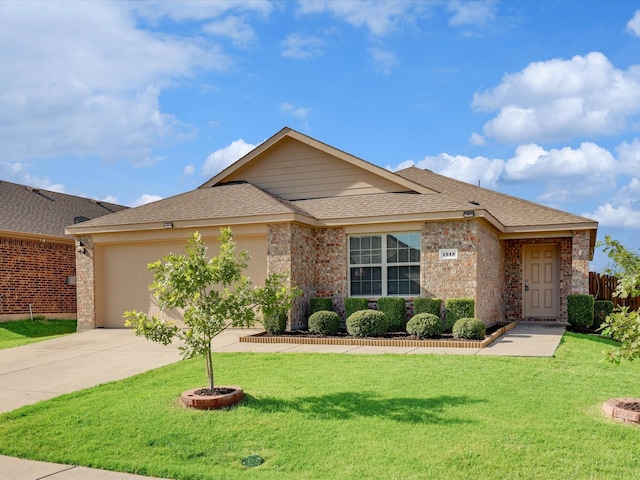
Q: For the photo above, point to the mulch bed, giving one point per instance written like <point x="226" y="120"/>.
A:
<point x="388" y="336"/>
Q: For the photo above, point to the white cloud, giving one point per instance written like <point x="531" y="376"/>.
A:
<point x="477" y="139"/>
<point x="302" y="47"/>
<point x="98" y="96"/>
<point x="383" y="60"/>
<point x="233" y="27"/>
<point x="532" y="162"/>
<point x="297" y="112"/>
<point x="633" y="25"/>
<point x="144" y="199"/>
<point x="608" y="215"/>
<point x="185" y="10"/>
<point x="110" y="199"/>
<point x="189" y="170"/>
<point x="471" y="170"/>
<point x="471" y="13"/>
<point x="629" y="157"/>
<point x="379" y="17"/>
<point x="222" y="158"/>
<point x="561" y="99"/>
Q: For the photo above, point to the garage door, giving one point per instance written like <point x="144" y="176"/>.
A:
<point x="122" y="278"/>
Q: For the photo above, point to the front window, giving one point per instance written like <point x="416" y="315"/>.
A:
<point x="381" y="265"/>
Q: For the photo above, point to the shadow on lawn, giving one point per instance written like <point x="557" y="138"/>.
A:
<point x="39" y="328"/>
<point x="349" y="405"/>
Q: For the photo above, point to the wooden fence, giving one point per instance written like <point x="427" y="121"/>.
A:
<point x="602" y="287"/>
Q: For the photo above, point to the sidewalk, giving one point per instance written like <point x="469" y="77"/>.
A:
<point x="32" y="373"/>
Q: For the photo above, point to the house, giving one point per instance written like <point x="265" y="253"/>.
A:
<point x="37" y="258"/>
<point x="344" y="227"/>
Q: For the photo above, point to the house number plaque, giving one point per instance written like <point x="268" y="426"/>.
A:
<point x="448" y="253"/>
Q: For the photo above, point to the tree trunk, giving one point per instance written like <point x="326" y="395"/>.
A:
<point x="209" y="362"/>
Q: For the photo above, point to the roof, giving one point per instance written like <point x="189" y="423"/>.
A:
<point x="511" y="212"/>
<point x="424" y="196"/>
<point x="36" y="212"/>
<point x="226" y="201"/>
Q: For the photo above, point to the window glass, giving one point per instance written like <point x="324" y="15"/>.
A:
<point x="384" y="264"/>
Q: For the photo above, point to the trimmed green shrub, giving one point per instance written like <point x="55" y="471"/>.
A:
<point x="425" y="325"/>
<point x="324" y="322"/>
<point x="320" y="304"/>
<point x="469" y="328"/>
<point x="354" y="304"/>
<point x="601" y="310"/>
<point x="275" y="324"/>
<point x="395" y="308"/>
<point x="457" y="308"/>
<point x="367" y="323"/>
<point x="580" y="310"/>
<point x="427" y="305"/>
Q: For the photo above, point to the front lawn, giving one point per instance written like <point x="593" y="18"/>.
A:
<point x="22" y="332"/>
<point x="351" y="416"/>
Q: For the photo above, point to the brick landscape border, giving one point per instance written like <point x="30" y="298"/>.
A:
<point x="378" y="342"/>
<point x="612" y="408"/>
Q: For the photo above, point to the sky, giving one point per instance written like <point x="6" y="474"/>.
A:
<point x="130" y="102"/>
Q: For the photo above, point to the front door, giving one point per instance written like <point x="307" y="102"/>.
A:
<point x="541" y="281"/>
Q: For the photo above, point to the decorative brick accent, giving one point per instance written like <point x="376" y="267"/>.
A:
<point x="581" y="247"/>
<point x="36" y="273"/>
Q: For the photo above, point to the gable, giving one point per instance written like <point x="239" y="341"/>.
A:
<point x="293" y="170"/>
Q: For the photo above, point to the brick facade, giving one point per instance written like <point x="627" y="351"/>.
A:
<point x="487" y="269"/>
<point x="574" y="271"/>
<point x="36" y="273"/>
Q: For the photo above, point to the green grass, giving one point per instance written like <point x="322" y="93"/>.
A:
<point x="351" y="416"/>
<point x="23" y="332"/>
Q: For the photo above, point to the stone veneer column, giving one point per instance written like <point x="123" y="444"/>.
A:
<point x="330" y="268"/>
<point x="85" y="285"/>
<point x="580" y="250"/>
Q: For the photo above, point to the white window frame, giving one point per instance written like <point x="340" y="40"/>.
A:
<point x="384" y="265"/>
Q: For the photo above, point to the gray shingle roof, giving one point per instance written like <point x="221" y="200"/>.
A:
<point x="508" y="210"/>
<point x="219" y="202"/>
<point x="376" y="205"/>
<point x="35" y="211"/>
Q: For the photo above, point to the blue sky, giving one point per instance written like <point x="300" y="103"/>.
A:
<point x="131" y="102"/>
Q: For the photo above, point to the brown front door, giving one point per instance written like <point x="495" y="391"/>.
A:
<point x="542" y="286"/>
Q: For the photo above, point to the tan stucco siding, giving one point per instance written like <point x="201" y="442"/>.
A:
<point x="122" y="277"/>
<point x="297" y="171"/>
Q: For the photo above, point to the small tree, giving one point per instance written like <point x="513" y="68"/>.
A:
<point x="623" y="325"/>
<point x="276" y="300"/>
<point x="214" y="294"/>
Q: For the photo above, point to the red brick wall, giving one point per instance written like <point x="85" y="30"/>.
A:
<point x="35" y="273"/>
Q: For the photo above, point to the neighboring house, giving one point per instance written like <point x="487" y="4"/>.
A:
<point x="37" y="258"/>
<point x="344" y="227"/>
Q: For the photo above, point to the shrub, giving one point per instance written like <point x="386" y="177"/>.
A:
<point x="427" y="305"/>
<point x="425" y="325"/>
<point x="320" y="304"/>
<point x="354" y="304"/>
<point x="457" y="308"/>
<point x="275" y="324"/>
<point x="395" y="308"/>
<point x="601" y="310"/>
<point x="470" y="328"/>
<point x="580" y="310"/>
<point x="367" y="323"/>
<point x="324" y="322"/>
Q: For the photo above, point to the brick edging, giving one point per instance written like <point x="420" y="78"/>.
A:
<point x="381" y="342"/>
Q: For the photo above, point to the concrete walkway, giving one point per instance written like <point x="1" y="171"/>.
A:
<point x="45" y="370"/>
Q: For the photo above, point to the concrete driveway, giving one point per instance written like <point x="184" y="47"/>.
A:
<point x="47" y="369"/>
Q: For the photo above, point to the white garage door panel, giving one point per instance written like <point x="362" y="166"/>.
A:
<point x="123" y="278"/>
